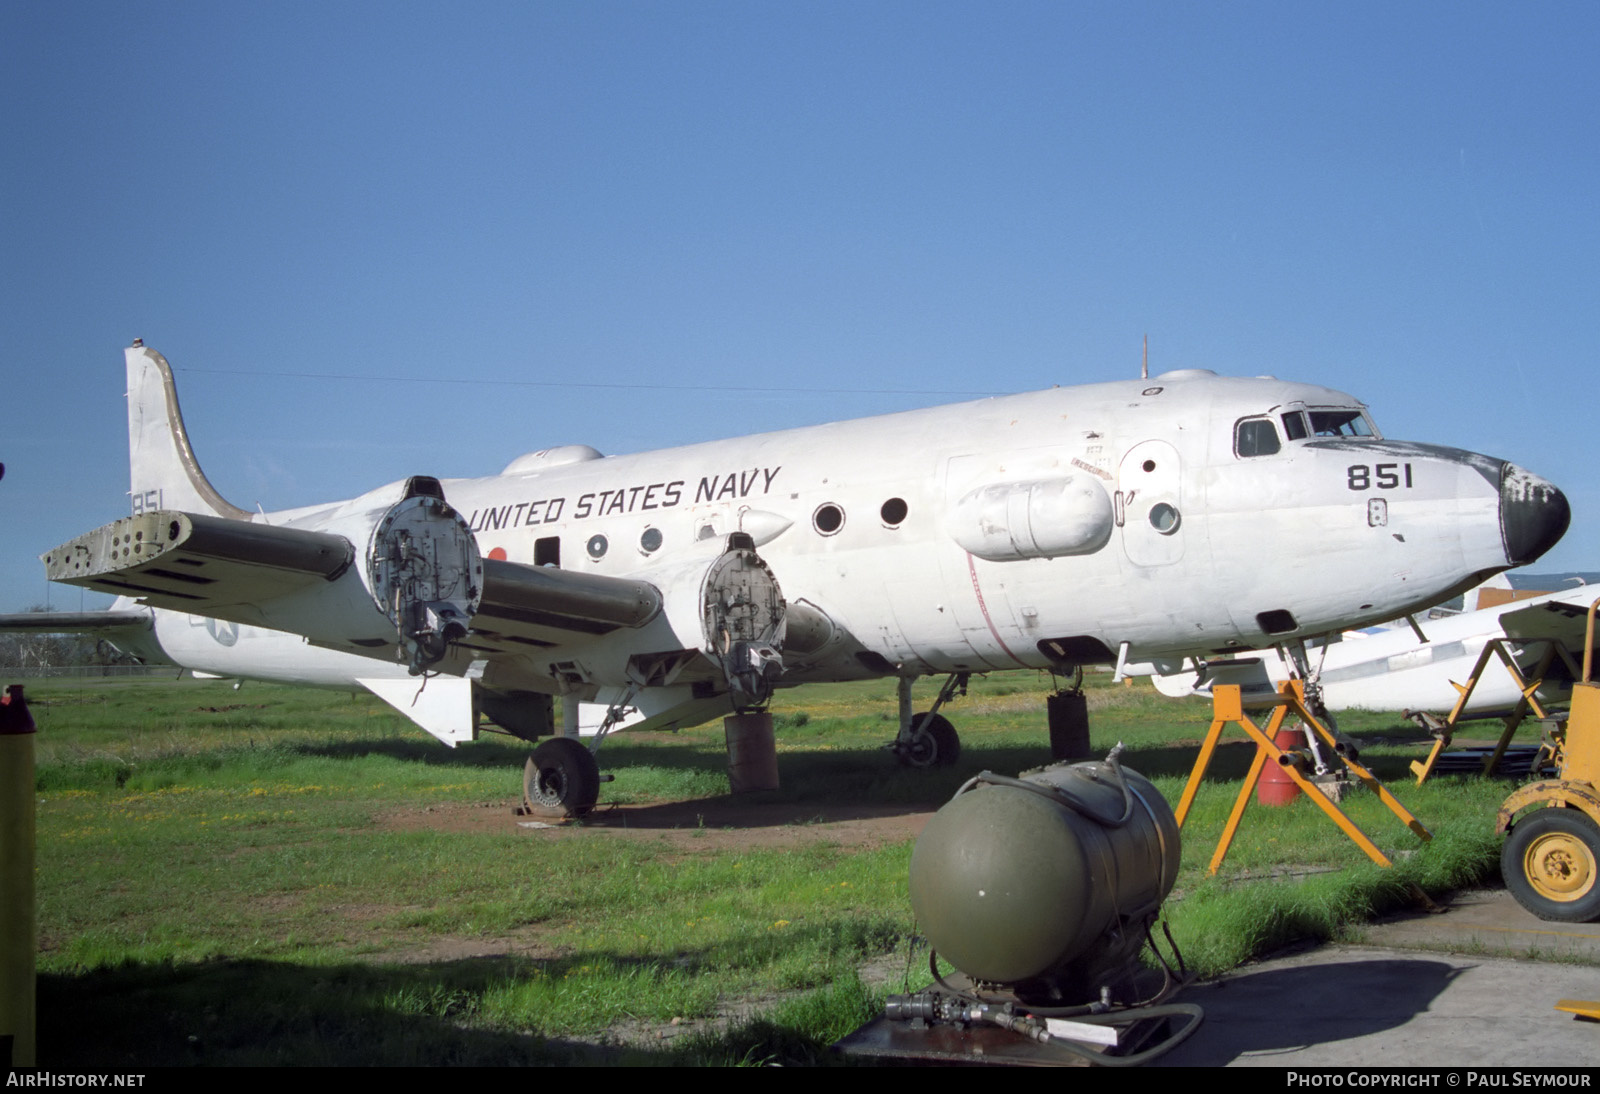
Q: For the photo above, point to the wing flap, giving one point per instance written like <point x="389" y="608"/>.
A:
<point x="545" y="606"/>
<point x="197" y="563"/>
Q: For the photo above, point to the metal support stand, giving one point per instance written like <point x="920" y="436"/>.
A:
<point x="19" y="931"/>
<point x="1067" y="713"/>
<point x="1227" y="708"/>
<point x="752" y="751"/>
<point x="1528" y="685"/>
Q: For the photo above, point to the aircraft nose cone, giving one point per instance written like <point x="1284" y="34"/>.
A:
<point x="1533" y="514"/>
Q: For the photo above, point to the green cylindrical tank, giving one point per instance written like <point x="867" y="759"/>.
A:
<point x="1018" y="881"/>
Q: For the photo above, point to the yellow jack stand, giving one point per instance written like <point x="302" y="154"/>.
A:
<point x="1527" y="685"/>
<point x="1583" y="1008"/>
<point x="1228" y="707"/>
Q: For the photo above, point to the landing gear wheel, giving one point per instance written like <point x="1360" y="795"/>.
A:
<point x="934" y="745"/>
<point x="1551" y="864"/>
<point x="561" y="779"/>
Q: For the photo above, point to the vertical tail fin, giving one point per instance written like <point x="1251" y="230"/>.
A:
<point x="163" y="471"/>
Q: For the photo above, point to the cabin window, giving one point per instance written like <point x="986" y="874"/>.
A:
<point x="597" y="547"/>
<point x="1341" y="421"/>
<point x="547" y="551"/>
<point x="1255" y="437"/>
<point x="828" y="519"/>
<point x="893" y="512"/>
<point x="650" y="540"/>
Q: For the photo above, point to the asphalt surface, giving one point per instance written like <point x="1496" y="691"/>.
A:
<point x="1475" y="985"/>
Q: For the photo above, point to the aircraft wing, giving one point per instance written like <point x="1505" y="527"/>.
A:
<point x="1562" y="619"/>
<point x="198" y="564"/>
<point x="130" y="629"/>
<point x="307" y="582"/>
<point x="109" y="621"/>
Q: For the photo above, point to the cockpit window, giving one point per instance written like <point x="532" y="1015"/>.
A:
<point x="1340" y="422"/>
<point x="1294" y="426"/>
<point x="1255" y="437"/>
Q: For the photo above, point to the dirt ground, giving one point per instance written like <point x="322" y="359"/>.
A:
<point x="717" y="824"/>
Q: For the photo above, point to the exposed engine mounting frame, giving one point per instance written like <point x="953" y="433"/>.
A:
<point x="425" y="573"/>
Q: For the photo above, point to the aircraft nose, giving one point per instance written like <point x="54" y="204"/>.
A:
<point x="1533" y="514"/>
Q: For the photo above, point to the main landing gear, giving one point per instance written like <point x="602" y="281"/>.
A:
<point x="927" y="739"/>
<point x="561" y="779"/>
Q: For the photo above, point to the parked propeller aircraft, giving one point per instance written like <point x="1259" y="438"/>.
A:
<point x="1401" y="669"/>
<point x="1152" y="519"/>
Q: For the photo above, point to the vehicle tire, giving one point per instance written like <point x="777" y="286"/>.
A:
<point x="936" y="745"/>
<point x="561" y="779"/>
<point x="1551" y="864"/>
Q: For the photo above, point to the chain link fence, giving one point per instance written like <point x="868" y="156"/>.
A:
<point x="15" y="673"/>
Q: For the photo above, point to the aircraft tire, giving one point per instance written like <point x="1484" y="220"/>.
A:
<point x="937" y="745"/>
<point x="561" y="779"/>
<point x="1551" y="865"/>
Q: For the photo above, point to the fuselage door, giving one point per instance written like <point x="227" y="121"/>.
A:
<point x="1149" y="504"/>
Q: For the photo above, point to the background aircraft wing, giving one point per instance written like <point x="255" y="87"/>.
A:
<point x="107" y="622"/>
<point x="1559" y="618"/>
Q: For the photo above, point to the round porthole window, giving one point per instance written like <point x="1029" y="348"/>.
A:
<point x="596" y="547"/>
<point x="650" y="540"/>
<point x="828" y="519"/>
<point x="1164" y="518"/>
<point x="893" y="511"/>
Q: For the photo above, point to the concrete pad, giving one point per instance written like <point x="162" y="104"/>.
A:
<point x="1485" y="921"/>
<point x="1350" y="1006"/>
<point x="1474" y="986"/>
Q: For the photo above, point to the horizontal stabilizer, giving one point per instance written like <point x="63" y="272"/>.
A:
<point x="114" y="619"/>
<point x="197" y="563"/>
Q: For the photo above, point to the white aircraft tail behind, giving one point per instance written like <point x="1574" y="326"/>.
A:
<point x="164" y="473"/>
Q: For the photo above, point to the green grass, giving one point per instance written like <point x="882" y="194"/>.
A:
<point x="223" y="878"/>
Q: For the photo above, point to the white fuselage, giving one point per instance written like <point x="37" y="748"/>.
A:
<point x="1290" y="532"/>
<point x="1145" y="520"/>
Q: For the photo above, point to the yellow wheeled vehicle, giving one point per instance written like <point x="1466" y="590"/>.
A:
<point x="1551" y="857"/>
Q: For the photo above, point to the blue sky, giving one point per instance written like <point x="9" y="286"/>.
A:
<point x="641" y="224"/>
